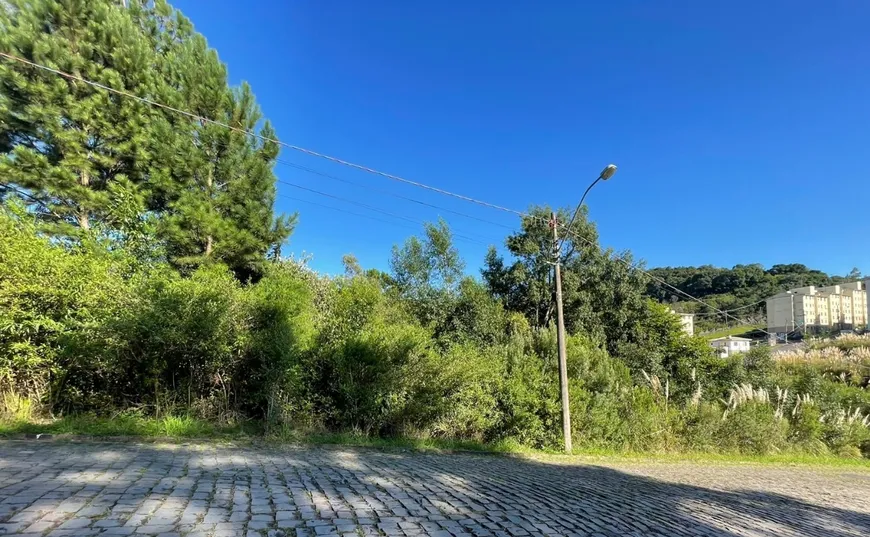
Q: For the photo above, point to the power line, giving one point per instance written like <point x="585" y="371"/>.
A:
<point x="290" y="146"/>
<point x="663" y="282"/>
<point x="393" y="194"/>
<point x="345" y="211"/>
<point x="338" y="161"/>
<point x="256" y="135"/>
<point x="352" y="202"/>
<point x="735" y="309"/>
<point x="373" y="208"/>
<point x="370" y="217"/>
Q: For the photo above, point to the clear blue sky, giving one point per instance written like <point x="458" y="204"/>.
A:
<point x="741" y="129"/>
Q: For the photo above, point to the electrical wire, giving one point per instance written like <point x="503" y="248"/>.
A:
<point x="375" y="209"/>
<point x="663" y="282"/>
<point x="370" y="217"/>
<point x="735" y="309"/>
<point x="352" y="202"/>
<point x="306" y="151"/>
<point x="388" y="193"/>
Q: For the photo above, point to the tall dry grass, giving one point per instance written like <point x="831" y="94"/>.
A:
<point x="847" y="350"/>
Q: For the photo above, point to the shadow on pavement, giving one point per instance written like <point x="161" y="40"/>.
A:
<point x="621" y="503"/>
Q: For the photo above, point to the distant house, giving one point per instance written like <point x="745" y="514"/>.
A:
<point x="730" y="345"/>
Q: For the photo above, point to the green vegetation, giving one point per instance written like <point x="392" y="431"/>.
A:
<point x="142" y="291"/>
<point x="89" y="331"/>
<point x="129" y="424"/>
<point x="187" y="429"/>
<point x="85" y="161"/>
<point x="744" y="330"/>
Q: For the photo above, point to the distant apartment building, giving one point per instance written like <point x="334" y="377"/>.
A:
<point x="730" y="345"/>
<point x="816" y="309"/>
<point x="867" y="313"/>
<point x="687" y="321"/>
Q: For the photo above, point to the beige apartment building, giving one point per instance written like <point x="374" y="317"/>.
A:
<point x="814" y="309"/>
<point x="687" y="322"/>
<point x="866" y="283"/>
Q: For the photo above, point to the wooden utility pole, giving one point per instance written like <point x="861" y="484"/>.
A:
<point x="560" y="335"/>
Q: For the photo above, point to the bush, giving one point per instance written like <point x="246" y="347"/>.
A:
<point x="718" y="375"/>
<point x="469" y="381"/>
<point x="54" y="299"/>
<point x="752" y="428"/>
<point x="758" y="365"/>
<point x="528" y="402"/>
<point x="846" y="432"/>
<point x="183" y="340"/>
<point x="370" y="370"/>
<point x="699" y="427"/>
<point x="630" y="419"/>
<point x="282" y="331"/>
<point x="806" y="428"/>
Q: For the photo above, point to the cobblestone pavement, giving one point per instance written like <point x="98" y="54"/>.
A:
<point x="60" y="489"/>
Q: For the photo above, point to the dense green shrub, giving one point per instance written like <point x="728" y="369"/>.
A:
<point x="529" y="403"/>
<point x="184" y="338"/>
<point x="371" y="369"/>
<point x="753" y="428"/>
<point x="470" y="379"/>
<point x="54" y="298"/>
<point x="758" y="365"/>
<point x="845" y="432"/>
<point x="699" y="427"/>
<point x="282" y="331"/>
<point x="806" y="428"/>
<point x="631" y="418"/>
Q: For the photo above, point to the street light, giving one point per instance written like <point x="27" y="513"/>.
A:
<point x="605" y="174"/>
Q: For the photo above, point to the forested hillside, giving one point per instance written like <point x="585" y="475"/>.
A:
<point x="743" y="287"/>
<point x="141" y="275"/>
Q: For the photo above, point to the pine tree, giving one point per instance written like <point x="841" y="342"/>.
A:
<point x="219" y="193"/>
<point x="75" y="154"/>
<point x="81" y="157"/>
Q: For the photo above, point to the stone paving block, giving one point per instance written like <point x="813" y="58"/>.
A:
<point x="153" y="529"/>
<point x="11" y="528"/>
<point x="68" y="533"/>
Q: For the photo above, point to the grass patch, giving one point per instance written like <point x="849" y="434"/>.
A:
<point x="182" y="427"/>
<point x="779" y="459"/>
<point x="128" y="425"/>
<point x="409" y="443"/>
<point x="741" y="330"/>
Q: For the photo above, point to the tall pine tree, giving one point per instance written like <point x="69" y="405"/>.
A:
<point x="219" y="193"/>
<point x="76" y="155"/>
<point x="83" y="158"/>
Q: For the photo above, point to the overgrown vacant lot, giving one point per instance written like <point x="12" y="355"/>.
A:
<point x="120" y="489"/>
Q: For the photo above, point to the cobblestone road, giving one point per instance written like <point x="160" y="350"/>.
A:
<point x="60" y="489"/>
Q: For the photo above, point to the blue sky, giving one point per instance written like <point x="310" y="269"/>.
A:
<point x="741" y="129"/>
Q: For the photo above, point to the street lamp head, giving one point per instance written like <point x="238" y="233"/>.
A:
<point x="608" y="172"/>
